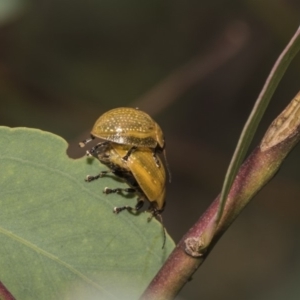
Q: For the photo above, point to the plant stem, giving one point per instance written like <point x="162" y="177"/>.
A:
<point x="4" y="293"/>
<point x="256" y="171"/>
<point x="240" y="185"/>
<point x="257" y="112"/>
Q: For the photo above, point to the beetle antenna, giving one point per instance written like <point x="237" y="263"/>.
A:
<point x="84" y="142"/>
<point x="167" y="166"/>
<point x="156" y="213"/>
<point x="159" y="216"/>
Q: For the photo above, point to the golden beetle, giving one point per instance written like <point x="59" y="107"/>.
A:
<point x="139" y="171"/>
<point x="129" y="126"/>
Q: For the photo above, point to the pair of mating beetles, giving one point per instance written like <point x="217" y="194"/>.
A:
<point x="132" y="140"/>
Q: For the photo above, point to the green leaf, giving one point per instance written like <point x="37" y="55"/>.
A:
<point x="59" y="238"/>
<point x="256" y="115"/>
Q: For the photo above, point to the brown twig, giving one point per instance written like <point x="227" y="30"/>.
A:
<point x="256" y="171"/>
<point x="5" y="294"/>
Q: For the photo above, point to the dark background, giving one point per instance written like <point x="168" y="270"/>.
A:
<point x="197" y="68"/>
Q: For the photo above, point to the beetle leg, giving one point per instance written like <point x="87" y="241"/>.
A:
<point x="95" y="148"/>
<point x="118" y="190"/>
<point x="138" y="206"/>
<point x="129" y="153"/>
<point x="84" y="142"/>
<point x="90" y="178"/>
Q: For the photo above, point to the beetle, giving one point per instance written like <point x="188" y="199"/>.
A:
<point x="129" y="126"/>
<point x="140" y="173"/>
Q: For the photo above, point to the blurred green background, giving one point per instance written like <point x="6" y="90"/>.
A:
<point x="197" y="68"/>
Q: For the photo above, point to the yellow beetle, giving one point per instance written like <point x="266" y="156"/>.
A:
<point x="129" y="126"/>
<point x="139" y="171"/>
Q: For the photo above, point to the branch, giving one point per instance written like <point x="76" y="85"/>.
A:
<point x="256" y="171"/>
<point x="241" y="184"/>
<point x="4" y="293"/>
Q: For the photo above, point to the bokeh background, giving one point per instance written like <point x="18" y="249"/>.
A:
<point x="197" y="68"/>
